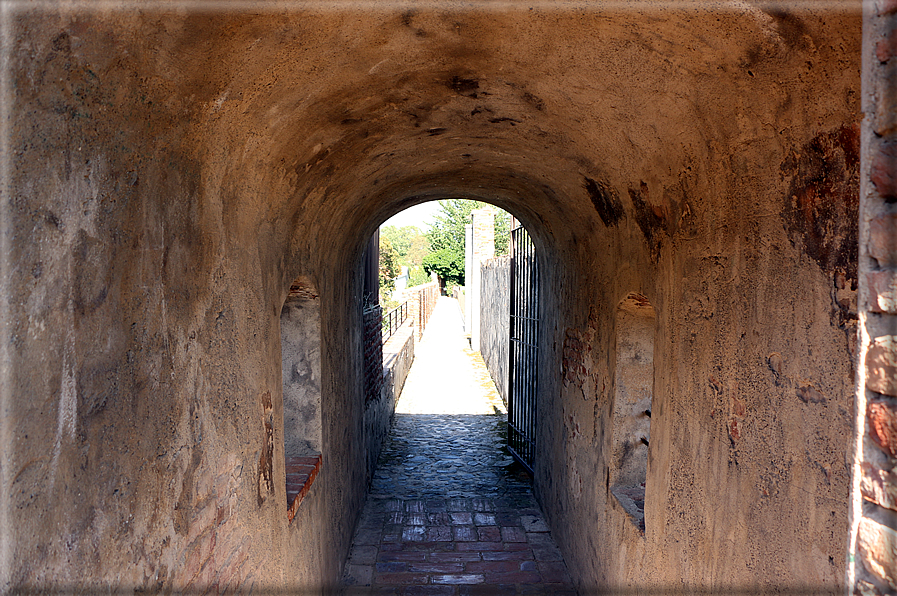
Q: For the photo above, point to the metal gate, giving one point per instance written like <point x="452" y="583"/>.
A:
<point x="524" y="347"/>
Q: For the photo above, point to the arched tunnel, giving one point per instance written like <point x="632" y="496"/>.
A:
<point x="172" y="168"/>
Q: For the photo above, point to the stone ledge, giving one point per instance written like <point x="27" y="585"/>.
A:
<point x="301" y="474"/>
<point x="632" y="499"/>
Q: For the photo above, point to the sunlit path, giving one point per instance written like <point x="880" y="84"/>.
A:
<point x="447" y="376"/>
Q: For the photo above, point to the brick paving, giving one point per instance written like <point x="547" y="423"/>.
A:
<point x="449" y="511"/>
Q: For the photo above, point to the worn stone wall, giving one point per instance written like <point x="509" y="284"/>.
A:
<point x="398" y="356"/>
<point x="873" y="537"/>
<point x="495" y="319"/>
<point x="300" y="350"/>
<point x="169" y="172"/>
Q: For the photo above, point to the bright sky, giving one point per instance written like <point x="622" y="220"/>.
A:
<point x="419" y="215"/>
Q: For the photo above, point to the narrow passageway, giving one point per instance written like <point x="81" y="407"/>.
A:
<point x="449" y="511"/>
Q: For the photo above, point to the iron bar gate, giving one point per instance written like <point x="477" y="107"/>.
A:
<point x="524" y="347"/>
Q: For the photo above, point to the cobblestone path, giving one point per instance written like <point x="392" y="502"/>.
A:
<point x="449" y="511"/>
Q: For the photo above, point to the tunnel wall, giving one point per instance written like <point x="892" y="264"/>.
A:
<point x="169" y="173"/>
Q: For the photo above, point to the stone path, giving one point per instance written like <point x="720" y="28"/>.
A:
<point x="449" y="511"/>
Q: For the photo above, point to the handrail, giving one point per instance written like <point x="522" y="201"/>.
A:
<point x="394" y="319"/>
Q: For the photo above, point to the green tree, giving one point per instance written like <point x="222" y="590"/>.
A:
<point x="419" y="248"/>
<point x="409" y="242"/>
<point x="447" y="233"/>
<point x="502" y="232"/>
<point x="447" y="264"/>
<point x="388" y="266"/>
<point x="418" y="276"/>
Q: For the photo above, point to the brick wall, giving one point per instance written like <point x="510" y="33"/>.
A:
<point x="421" y="302"/>
<point x="873" y="545"/>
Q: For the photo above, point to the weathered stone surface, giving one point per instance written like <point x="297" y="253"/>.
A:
<point x="864" y="588"/>
<point x="886" y="48"/>
<point x="882" y="419"/>
<point x="877" y="544"/>
<point x="885" y="123"/>
<point x="886" y="7"/>
<point x="495" y="320"/>
<point x="883" y="239"/>
<point x="810" y="394"/>
<point x="884" y="164"/>
<point x="881" y="365"/>
<point x="882" y="286"/>
<point x="879" y="486"/>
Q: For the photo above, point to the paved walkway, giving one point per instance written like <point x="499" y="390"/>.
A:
<point x="449" y="511"/>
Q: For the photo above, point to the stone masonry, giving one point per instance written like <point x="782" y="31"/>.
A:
<point x="873" y="555"/>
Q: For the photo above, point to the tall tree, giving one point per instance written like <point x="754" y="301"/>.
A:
<point x="389" y="266"/>
<point x="446" y="236"/>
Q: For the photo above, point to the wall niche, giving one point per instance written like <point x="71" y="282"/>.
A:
<point x="633" y="393"/>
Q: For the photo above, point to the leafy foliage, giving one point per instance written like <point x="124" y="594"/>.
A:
<point x="409" y="242"/>
<point x="418" y="276"/>
<point x="447" y="264"/>
<point x="388" y="266"/>
<point x="447" y="234"/>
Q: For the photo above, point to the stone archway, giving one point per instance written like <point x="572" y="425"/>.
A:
<point x="169" y="173"/>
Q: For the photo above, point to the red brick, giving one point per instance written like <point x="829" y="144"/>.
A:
<point x="445" y="567"/>
<point x="512" y="534"/>
<point x="297" y="479"/>
<point x="484" y="519"/>
<point x="460" y="579"/>
<point x="881" y="366"/>
<point x="877" y="546"/>
<point x="884" y="121"/>
<point x="400" y="579"/>
<point x="882" y="419"/>
<point x="401" y="556"/>
<point x="884" y="171"/>
<point x="480" y="546"/>
<point x="416" y="519"/>
<point x="488" y="534"/>
<point x="882" y="287"/>
<point x="439" y="534"/>
<point x="464" y="533"/>
<point x="514" y="577"/>
<point x="886" y="48"/>
<point x="454" y="556"/>
<point x="492" y="566"/>
<point x="439" y="519"/>
<point x="414" y="534"/>
<point x="879" y="486"/>
<point x="392" y="566"/>
<point x="883" y="239"/>
<point x="461" y="518"/>
<point x="518" y="555"/>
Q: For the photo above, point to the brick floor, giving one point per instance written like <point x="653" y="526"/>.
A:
<point x="450" y="512"/>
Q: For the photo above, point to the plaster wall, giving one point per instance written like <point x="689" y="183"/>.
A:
<point x="168" y="172"/>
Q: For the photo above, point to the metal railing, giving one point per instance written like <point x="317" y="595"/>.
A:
<point x="524" y="349"/>
<point x="394" y="319"/>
